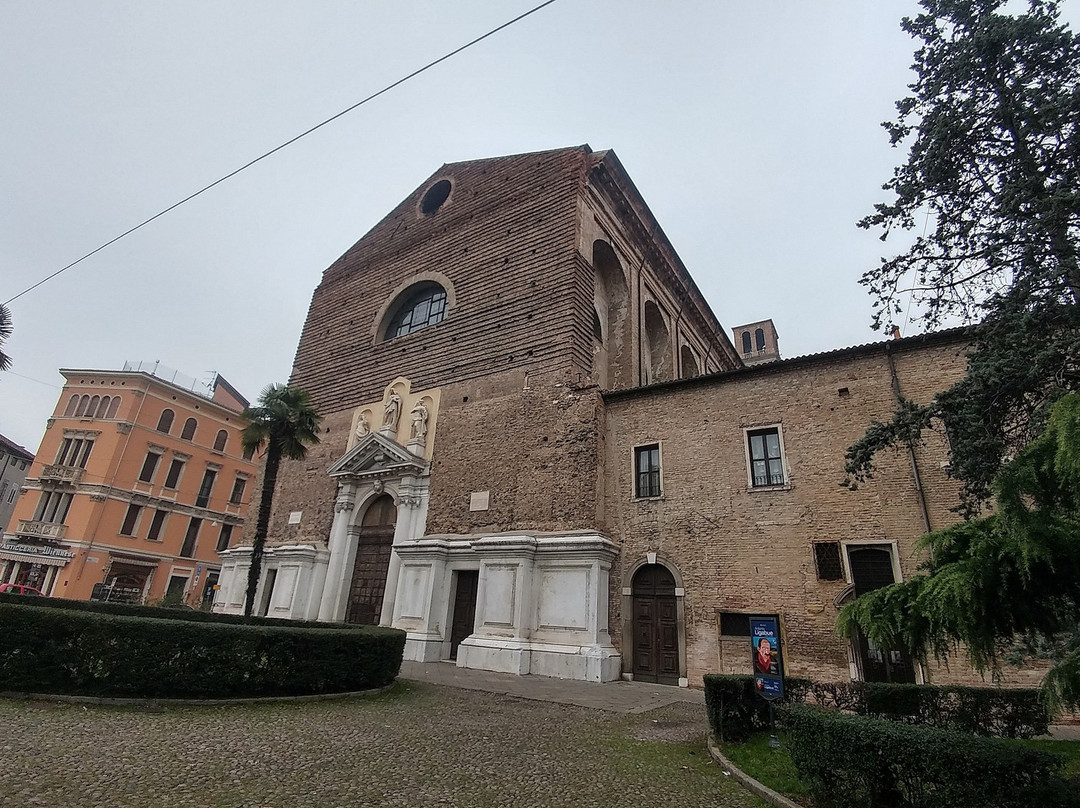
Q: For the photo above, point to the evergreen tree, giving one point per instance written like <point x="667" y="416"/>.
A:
<point x="1006" y="580"/>
<point x="993" y="126"/>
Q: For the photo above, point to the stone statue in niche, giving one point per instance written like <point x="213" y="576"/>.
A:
<point x="392" y="411"/>
<point x="419" y="416"/>
<point x="363" y="428"/>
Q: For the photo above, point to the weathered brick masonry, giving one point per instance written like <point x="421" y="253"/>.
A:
<point x="745" y="550"/>
<point x="573" y="336"/>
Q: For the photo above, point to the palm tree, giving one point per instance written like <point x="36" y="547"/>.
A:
<point x="5" y="332"/>
<point x="287" y="424"/>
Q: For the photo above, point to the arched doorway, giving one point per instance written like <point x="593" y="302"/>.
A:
<point x="872" y="568"/>
<point x="372" y="562"/>
<point x="656" y="626"/>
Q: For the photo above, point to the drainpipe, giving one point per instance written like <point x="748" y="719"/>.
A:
<point x="910" y="447"/>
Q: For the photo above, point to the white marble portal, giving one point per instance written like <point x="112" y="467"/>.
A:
<point x="541" y="603"/>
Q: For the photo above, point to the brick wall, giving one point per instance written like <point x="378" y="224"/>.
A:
<point x="745" y="550"/>
<point x="505" y="240"/>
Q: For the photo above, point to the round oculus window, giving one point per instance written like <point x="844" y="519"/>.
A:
<point x="434" y="197"/>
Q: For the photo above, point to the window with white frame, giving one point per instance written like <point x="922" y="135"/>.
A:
<point x="172" y="479"/>
<point x="224" y="537"/>
<point x="766" y="457"/>
<point x="149" y="466"/>
<point x="237" y="495"/>
<point x="156" y="525"/>
<point x="647" y="471"/>
<point x="74" y="452"/>
<point x="131" y="520"/>
<point x="52" y="507"/>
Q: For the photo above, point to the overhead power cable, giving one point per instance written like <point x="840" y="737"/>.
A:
<point x="276" y="149"/>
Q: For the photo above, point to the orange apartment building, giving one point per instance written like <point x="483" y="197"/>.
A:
<point x="139" y="482"/>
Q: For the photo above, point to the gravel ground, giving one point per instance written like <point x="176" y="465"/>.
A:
<point x="417" y="745"/>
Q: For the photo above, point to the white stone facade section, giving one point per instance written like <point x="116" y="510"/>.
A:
<point x="299" y="571"/>
<point x="541" y="604"/>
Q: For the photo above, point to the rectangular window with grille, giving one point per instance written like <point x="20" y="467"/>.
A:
<point x="827" y="561"/>
<point x="766" y="457"/>
<point x="647" y="471"/>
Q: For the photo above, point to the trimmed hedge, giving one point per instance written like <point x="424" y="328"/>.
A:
<point x="88" y="652"/>
<point x="160" y="612"/>
<point x="991" y="711"/>
<point x="851" y="761"/>
<point x="735" y="709"/>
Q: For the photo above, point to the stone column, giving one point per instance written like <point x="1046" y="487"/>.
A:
<point x="331" y="600"/>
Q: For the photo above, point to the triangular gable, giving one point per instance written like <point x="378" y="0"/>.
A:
<point x="374" y="456"/>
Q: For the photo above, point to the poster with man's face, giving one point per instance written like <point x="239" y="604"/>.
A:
<point x="765" y="654"/>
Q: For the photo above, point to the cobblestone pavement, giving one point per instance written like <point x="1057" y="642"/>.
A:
<point x="417" y="745"/>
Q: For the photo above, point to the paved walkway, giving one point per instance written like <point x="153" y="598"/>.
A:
<point x="617" y="697"/>
<point x="417" y="745"/>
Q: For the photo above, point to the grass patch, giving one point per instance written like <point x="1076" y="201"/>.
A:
<point x="1070" y="749"/>
<point x="773" y="767"/>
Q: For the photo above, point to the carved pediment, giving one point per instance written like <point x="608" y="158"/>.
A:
<point x="377" y="456"/>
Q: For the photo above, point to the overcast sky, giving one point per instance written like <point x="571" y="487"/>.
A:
<point x="751" y="128"/>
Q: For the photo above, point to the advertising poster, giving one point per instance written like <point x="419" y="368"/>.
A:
<point x="766" y="657"/>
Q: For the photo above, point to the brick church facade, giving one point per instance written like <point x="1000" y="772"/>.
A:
<point x="543" y="454"/>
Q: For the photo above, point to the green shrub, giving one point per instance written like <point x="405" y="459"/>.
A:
<point x="88" y="652"/>
<point x="163" y="612"/>
<point x="998" y="712"/>
<point x="851" y="761"/>
<point x="735" y="709"/>
<point x="993" y="711"/>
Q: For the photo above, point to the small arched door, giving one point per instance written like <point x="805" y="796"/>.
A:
<point x="372" y="562"/>
<point x="656" y="627"/>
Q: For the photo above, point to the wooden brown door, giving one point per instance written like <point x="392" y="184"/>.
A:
<point x="372" y="564"/>
<point x="464" y="618"/>
<point x="871" y="568"/>
<point x="656" y="627"/>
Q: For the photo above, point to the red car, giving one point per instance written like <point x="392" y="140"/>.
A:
<point x="19" y="589"/>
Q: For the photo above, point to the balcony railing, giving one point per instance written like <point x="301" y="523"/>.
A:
<point x="48" y="530"/>
<point x="65" y="474"/>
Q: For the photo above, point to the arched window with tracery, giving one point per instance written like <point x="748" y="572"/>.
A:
<point x="418" y="307"/>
